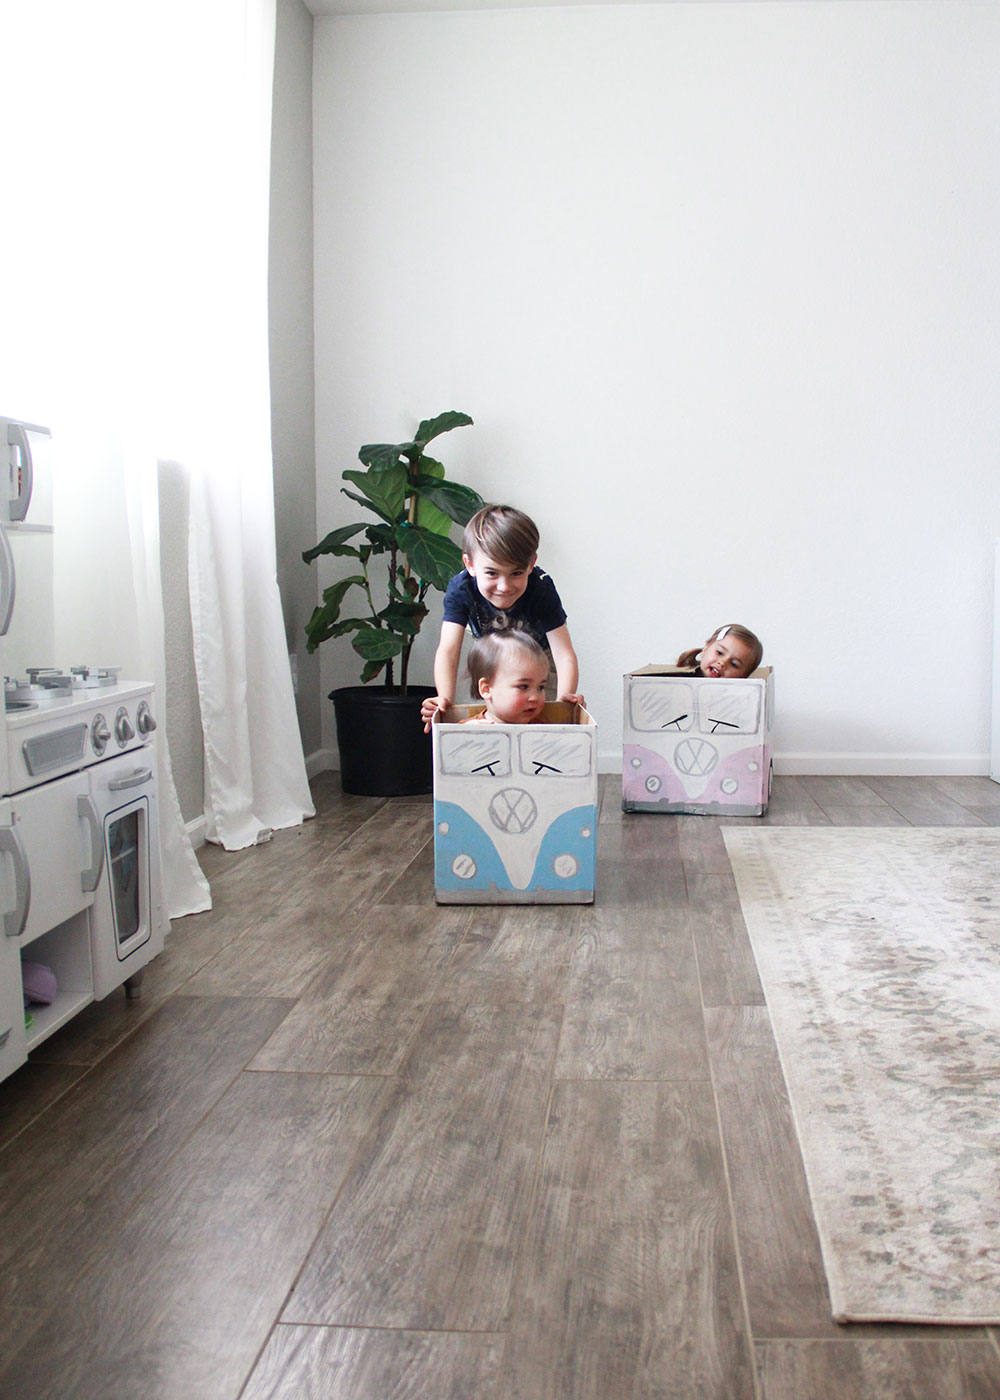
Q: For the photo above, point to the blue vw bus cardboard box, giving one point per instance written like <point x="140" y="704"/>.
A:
<point x="691" y="744"/>
<point x="515" y="808"/>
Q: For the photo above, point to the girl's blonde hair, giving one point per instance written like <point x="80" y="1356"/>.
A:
<point x="489" y="652"/>
<point x="731" y="629"/>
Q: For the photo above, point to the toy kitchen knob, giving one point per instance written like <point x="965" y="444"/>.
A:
<point x="99" y="733"/>
<point x="123" y="729"/>
<point x="144" y="720"/>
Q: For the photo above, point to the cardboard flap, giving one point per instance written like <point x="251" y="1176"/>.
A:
<point x="659" y="668"/>
<point x="555" y="712"/>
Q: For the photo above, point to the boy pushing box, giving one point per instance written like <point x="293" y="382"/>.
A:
<point x="501" y="586"/>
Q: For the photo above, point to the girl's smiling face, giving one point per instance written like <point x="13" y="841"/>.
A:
<point x="516" y="695"/>
<point x="725" y="659"/>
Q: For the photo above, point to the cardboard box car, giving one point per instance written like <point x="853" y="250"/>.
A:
<point x="694" y="744"/>
<point x="515" y="808"/>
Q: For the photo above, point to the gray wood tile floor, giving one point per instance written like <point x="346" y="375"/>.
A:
<point x="351" y="1146"/>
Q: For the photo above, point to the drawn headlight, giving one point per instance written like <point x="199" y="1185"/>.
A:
<point x="464" y="867"/>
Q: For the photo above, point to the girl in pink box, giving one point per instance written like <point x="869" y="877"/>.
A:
<point x="730" y="653"/>
<point x="509" y="671"/>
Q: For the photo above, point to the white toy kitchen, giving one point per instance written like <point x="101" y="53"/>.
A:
<point x="80" y="893"/>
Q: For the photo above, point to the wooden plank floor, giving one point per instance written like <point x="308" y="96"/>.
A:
<point x="353" y="1146"/>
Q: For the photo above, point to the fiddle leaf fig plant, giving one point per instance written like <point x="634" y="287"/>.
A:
<point x="414" y="506"/>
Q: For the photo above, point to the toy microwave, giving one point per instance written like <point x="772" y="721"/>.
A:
<point x="691" y="744"/>
<point x="515" y="808"/>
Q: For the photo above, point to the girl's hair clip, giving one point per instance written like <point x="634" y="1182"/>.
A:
<point x="721" y="633"/>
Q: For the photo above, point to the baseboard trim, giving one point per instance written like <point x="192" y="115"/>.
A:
<point x="845" y="765"/>
<point x="322" y="761"/>
<point x="887" y="765"/>
<point x="196" y="831"/>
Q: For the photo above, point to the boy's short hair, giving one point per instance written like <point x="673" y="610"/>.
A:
<point x="502" y="533"/>
<point x="489" y="651"/>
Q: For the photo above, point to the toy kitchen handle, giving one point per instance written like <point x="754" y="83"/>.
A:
<point x="17" y="438"/>
<point x="7" y="582"/>
<point x="136" y="778"/>
<point x="15" y="919"/>
<point x="89" y="878"/>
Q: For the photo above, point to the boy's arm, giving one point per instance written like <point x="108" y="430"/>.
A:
<point x="446" y="660"/>
<point x="567" y="666"/>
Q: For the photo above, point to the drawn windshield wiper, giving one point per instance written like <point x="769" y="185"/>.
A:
<point x="673" y="721"/>
<point x="725" y="723"/>
<point x="539" y="766"/>
<point x="487" y="767"/>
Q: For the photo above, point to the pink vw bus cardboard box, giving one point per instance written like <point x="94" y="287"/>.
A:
<point x="696" y="745"/>
<point x="515" y="809"/>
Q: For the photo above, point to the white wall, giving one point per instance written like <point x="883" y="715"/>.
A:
<point x="290" y="314"/>
<point x="719" y="285"/>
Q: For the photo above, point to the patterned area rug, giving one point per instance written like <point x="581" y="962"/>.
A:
<point x="879" y="953"/>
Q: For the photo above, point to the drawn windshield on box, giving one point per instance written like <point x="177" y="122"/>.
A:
<point x="488" y="753"/>
<point x="557" y="753"/>
<point x="713" y="707"/>
<point x="482" y="752"/>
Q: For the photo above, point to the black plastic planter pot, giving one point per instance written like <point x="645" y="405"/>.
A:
<point x="384" y="751"/>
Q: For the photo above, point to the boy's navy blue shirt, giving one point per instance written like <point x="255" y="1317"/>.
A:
<point x="537" y="611"/>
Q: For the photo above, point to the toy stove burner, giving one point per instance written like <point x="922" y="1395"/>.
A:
<point x="93" y="677"/>
<point x="44" y="685"/>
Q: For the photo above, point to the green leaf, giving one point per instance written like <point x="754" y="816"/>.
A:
<point x="368" y="505"/>
<point x="404" y="617"/>
<point x="460" y="503"/>
<point x="431" y="428"/>
<point x="370" y="670"/>
<point x="380" y="455"/>
<point x="386" y="490"/>
<point x="334" y="595"/>
<point x="323" y="623"/>
<point x="381" y="538"/>
<point x="334" y="543"/>
<point x="377" y="643"/>
<point x="428" y="517"/>
<point x="347" y="624"/>
<point x="432" y="557"/>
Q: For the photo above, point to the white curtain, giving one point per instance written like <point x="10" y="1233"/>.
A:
<point x="255" y="775"/>
<point x="214" y="386"/>
<point x="134" y="323"/>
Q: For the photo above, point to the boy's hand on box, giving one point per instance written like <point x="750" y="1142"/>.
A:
<point x="573" y="700"/>
<point x="430" y="707"/>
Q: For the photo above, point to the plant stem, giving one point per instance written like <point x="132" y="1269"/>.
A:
<point x="412" y="467"/>
<point x="368" y="590"/>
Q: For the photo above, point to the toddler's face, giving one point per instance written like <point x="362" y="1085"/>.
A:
<point x="516" y="694"/>
<point x="726" y="658"/>
<point x="500" y="584"/>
